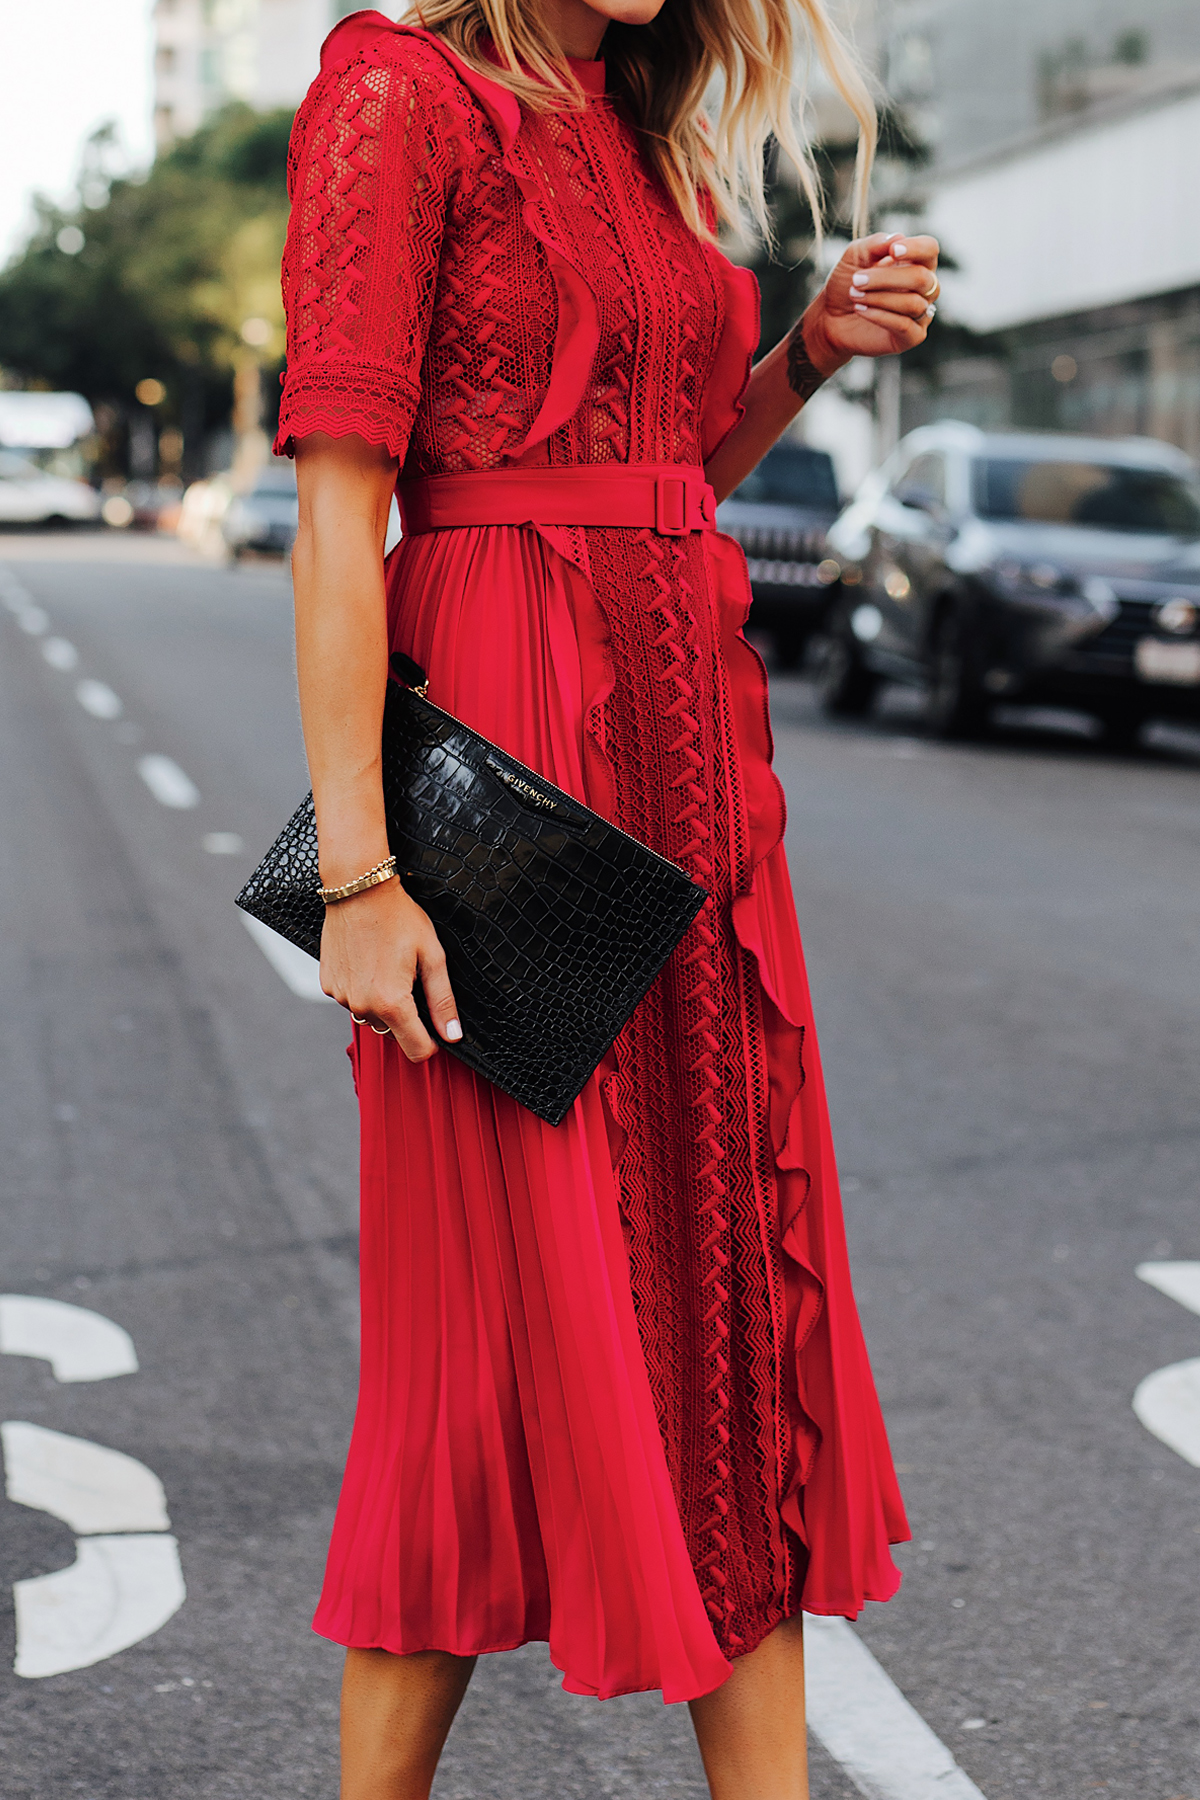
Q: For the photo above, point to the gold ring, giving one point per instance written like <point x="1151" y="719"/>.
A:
<point x="357" y="1020"/>
<point x="386" y="1032"/>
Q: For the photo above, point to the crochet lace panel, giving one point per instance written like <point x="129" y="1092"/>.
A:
<point x="423" y="314"/>
<point x="421" y="304"/>
<point x="696" y="1175"/>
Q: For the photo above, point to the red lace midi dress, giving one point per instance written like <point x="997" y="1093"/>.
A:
<point x="614" y="1392"/>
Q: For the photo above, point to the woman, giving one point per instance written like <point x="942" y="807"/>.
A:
<point x="614" y="1394"/>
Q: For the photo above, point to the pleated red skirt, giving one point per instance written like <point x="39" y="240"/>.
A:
<point x="507" y="1478"/>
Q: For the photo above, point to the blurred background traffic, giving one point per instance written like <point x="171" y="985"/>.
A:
<point x="1048" y="146"/>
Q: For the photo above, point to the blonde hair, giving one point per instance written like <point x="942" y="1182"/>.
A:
<point x="662" y="72"/>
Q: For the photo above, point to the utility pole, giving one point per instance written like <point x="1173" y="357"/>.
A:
<point x="887" y="406"/>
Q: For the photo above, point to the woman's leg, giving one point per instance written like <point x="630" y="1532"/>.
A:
<point x="396" y="1713"/>
<point x="751" y="1731"/>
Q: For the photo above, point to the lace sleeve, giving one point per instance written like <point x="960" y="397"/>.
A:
<point x="369" y="172"/>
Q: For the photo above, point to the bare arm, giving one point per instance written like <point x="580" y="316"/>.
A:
<point x="877" y="301"/>
<point x="374" y="946"/>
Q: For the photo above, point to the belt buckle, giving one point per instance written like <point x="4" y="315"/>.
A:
<point x="671" y="505"/>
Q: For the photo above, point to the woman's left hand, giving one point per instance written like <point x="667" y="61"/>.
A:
<point x="880" y="299"/>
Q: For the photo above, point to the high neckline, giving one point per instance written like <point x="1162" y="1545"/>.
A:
<point x="591" y="76"/>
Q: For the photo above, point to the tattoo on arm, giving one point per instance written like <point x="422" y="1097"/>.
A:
<point x="804" y="377"/>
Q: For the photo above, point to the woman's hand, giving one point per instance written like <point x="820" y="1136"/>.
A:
<point x="879" y="300"/>
<point x="374" y="947"/>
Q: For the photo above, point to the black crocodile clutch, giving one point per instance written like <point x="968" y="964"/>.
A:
<point x="554" y="922"/>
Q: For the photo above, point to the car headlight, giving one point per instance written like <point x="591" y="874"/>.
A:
<point x="1041" y="577"/>
<point x="1090" y="599"/>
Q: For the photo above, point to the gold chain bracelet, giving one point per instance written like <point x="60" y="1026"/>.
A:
<point x="381" y="872"/>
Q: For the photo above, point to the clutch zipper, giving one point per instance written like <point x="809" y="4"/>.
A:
<point x="404" y="668"/>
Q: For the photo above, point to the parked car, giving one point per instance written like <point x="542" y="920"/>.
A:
<point x="266" y="517"/>
<point x="29" y="496"/>
<point x="201" y="512"/>
<point x="1031" y="568"/>
<point x="780" y="515"/>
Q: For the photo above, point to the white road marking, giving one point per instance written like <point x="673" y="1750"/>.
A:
<point x="299" y="970"/>
<point x="1177" y="1280"/>
<point x="34" y="620"/>
<point x="167" y="782"/>
<point x="866" y="1724"/>
<point x="1168" y="1401"/>
<point x="88" y="1486"/>
<point x="118" y="1591"/>
<point x="1168" y="1404"/>
<point x="222" y="843"/>
<point x="60" y="654"/>
<point x="97" y="698"/>
<point x="15" y="595"/>
<point x="79" y="1345"/>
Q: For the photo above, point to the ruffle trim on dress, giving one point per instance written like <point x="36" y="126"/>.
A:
<point x="841" y="1497"/>
<point x="577" y="337"/>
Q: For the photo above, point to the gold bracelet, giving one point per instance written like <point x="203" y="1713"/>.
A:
<point x="381" y="872"/>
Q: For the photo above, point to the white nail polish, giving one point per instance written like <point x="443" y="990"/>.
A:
<point x="899" y="249"/>
<point x="453" y="1031"/>
<point x="860" y="309"/>
<point x="859" y="280"/>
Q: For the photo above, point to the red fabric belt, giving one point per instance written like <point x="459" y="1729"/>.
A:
<point x="669" y="498"/>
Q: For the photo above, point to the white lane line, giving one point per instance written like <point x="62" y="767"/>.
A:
<point x="97" y="698"/>
<point x="118" y="1591"/>
<point x="1177" y="1280"/>
<point x="222" y="843"/>
<point x="33" y="619"/>
<point x="88" y="1486"/>
<point x="79" y="1345"/>
<point x="167" y="782"/>
<point x="14" y="594"/>
<point x="60" y="654"/>
<point x="294" y="965"/>
<point x="866" y="1724"/>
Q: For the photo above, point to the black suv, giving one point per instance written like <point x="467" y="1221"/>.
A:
<point x="1024" y="568"/>
<point x="779" y="515"/>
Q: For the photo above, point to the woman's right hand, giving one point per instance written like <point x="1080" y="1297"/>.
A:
<point x="374" y="947"/>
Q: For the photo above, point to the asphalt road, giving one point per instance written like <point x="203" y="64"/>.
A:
<point x="1003" y="942"/>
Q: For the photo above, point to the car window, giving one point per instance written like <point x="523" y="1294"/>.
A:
<point x="1083" y="493"/>
<point x="15" y="468"/>
<point x="792" y="475"/>
<point x="923" y="479"/>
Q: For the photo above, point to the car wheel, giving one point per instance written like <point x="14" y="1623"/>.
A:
<point x="845" y="685"/>
<point x="956" y="706"/>
<point x="1120" y="727"/>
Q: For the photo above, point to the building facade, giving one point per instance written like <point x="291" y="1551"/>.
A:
<point x="1078" y="271"/>
<point x="209" y="52"/>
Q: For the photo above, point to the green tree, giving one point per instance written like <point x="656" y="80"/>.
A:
<point x="171" y="266"/>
